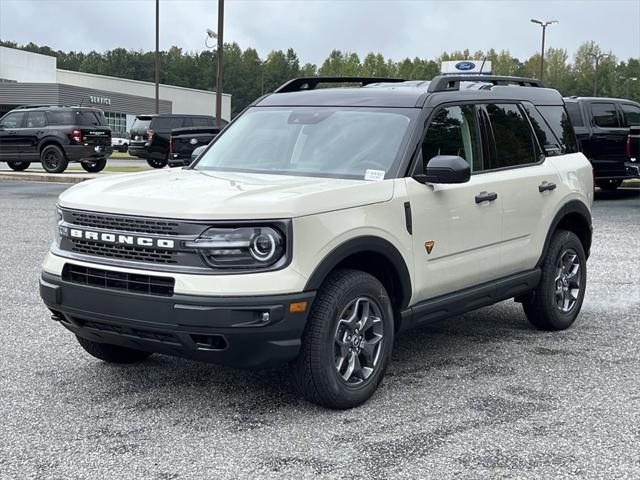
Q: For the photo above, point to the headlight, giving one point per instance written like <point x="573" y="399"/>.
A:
<point x="57" y="226"/>
<point x="247" y="247"/>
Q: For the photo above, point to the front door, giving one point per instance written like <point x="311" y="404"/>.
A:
<point x="456" y="234"/>
<point x="11" y="136"/>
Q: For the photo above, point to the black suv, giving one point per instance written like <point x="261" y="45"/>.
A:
<point x="602" y="126"/>
<point x="55" y="136"/>
<point x="151" y="135"/>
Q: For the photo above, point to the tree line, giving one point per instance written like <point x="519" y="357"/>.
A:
<point x="247" y="76"/>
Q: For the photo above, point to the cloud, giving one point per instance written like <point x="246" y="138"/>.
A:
<point x="395" y="28"/>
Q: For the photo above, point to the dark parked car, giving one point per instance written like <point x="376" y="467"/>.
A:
<point x="55" y="136"/>
<point x="602" y="126"/>
<point x="184" y="141"/>
<point x="151" y="135"/>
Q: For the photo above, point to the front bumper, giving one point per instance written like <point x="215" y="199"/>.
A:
<point x="225" y="330"/>
<point x="76" y="153"/>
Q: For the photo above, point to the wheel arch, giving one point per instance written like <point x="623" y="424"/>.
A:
<point x="575" y="217"/>
<point x="375" y="256"/>
<point x="45" y="142"/>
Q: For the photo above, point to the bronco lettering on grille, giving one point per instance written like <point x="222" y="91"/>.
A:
<point x="121" y="239"/>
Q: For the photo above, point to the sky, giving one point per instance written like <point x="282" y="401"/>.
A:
<point x="395" y="28"/>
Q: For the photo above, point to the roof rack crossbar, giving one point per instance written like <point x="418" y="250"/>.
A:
<point x="309" y="83"/>
<point x="447" y="83"/>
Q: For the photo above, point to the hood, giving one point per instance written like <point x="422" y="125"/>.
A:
<point x="206" y="195"/>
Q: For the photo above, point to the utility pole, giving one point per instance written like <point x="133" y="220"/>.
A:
<point x="219" y="66"/>
<point x="627" y="80"/>
<point x="544" y="26"/>
<point x="157" y="56"/>
<point x="597" y="57"/>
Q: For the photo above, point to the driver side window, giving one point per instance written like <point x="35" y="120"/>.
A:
<point x="453" y="131"/>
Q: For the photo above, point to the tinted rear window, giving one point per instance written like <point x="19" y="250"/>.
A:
<point x="574" y="114"/>
<point x="631" y="114"/>
<point x="90" y="118"/>
<point x="605" y="115"/>
<point x="76" y="117"/>
<point x="66" y="117"/>
<point x="141" y="123"/>
<point x="167" y="123"/>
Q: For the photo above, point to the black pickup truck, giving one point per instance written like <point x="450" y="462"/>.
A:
<point x="603" y="127"/>
<point x="152" y="136"/>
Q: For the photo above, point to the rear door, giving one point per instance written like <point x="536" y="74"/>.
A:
<point x="456" y="237"/>
<point x="529" y="183"/>
<point x="12" y="139"/>
<point x="34" y="130"/>
<point x="607" y="140"/>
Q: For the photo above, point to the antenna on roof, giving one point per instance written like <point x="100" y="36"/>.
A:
<point x="482" y="66"/>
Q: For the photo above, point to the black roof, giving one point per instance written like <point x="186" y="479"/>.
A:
<point x="411" y="93"/>
<point x="599" y="99"/>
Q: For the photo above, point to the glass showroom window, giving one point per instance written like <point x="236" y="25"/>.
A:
<point x="117" y="121"/>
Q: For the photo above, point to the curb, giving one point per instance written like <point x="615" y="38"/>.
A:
<point x="47" y="177"/>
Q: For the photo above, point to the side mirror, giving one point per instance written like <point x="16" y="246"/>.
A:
<point x="445" y="169"/>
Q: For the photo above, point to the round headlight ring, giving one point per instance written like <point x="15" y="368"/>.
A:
<point x="263" y="247"/>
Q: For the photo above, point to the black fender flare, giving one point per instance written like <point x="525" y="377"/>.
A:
<point x="362" y="244"/>
<point x="573" y="206"/>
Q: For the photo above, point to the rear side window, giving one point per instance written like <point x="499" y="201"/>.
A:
<point x="36" y="120"/>
<point x="453" y="131"/>
<point x="167" y="123"/>
<point x="65" y="117"/>
<point x="202" y="122"/>
<point x="13" y="120"/>
<point x="557" y="118"/>
<point x="89" y="118"/>
<point x="546" y="137"/>
<point x="574" y="114"/>
<point x="514" y="141"/>
<point x="605" y="115"/>
<point x="631" y="114"/>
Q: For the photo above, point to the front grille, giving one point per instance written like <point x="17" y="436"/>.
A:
<point x="123" y="252"/>
<point x="126" y="224"/>
<point x="122" y="281"/>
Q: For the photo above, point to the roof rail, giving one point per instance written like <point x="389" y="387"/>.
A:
<point x="46" y="106"/>
<point x="309" y="83"/>
<point x="447" y="83"/>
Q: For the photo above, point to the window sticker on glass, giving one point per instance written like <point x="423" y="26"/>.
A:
<point x="374" y="175"/>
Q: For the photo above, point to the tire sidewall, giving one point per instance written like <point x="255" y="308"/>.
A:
<point x="558" y="319"/>
<point x="18" y="166"/>
<point x="353" y="395"/>
<point x="97" y="166"/>
<point x="62" y="164"/>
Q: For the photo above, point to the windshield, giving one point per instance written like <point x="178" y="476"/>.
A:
<point x="342" y="142"/>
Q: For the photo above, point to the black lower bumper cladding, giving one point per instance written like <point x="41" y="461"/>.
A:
<point x="259" y="331"/>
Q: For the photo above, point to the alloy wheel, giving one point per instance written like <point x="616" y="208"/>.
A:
<point x="567" y="280"/>
<point x="358" y="341"/>
<point x="51" y="160"/>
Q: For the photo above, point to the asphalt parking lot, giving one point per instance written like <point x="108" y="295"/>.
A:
<point x="483" y="395"/>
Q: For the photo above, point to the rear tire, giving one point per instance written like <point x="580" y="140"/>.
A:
<point x="53" y="159"/>
<point x="347" y="342"/>
<point x="558" y="297"/>
<point x="609" y="184"/>
<point x="112" y="353"/>
<point x="18" y="166"/>
<point x="95" y="166"/>
<point x="157" y="163"/>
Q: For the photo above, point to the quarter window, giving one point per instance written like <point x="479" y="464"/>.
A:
<point x="631" y="115"/>
<point x="605" y="115"/>
<point x="558" y="120"/>
<point x="453" y="131"/>
<point x="12" y="120"/>
<point x="514" y="141"/>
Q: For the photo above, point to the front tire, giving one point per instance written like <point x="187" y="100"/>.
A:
<point x="18" y="166"/>
<point x="112" y="353"/>
<point x="558" y="297"/>
<point x="347" y="342"/>
<point x="609" y="184"/>
<point x="95" y="166"/>
<point x="53" y="159"/>
<point x="157" y="163"/>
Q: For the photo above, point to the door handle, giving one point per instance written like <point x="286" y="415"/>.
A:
<point x="486" y="197"/>
<point x="11" y="133"/>
<point x="544" y="186"/>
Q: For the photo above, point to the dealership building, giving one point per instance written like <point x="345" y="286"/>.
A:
<point x="32" y="79"/>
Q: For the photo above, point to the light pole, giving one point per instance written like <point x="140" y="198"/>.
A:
<point x="544" y="26"/>
<point x="213" y="35"/>
<point x="597" y="57"/>
<point x="157" y="57"/>
<point x="627" y="80"/>
<point x="219" y="66"/>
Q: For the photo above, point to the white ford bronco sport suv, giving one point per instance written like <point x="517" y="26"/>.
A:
<point x="322" y="222"/>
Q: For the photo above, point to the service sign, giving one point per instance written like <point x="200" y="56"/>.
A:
<point x="472" y="67"/>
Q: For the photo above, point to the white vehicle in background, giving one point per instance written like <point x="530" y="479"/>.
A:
<point x="120" y="141"/>
<point x="323" y="222"/>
